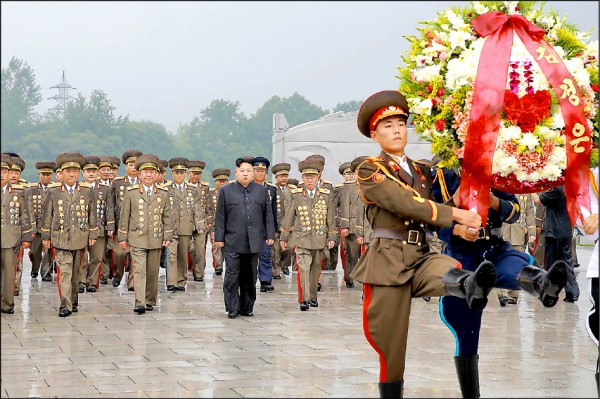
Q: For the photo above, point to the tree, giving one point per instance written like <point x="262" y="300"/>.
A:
<point x="20" y="94"/>
<point x="348" y="106"/>
<point x="96" y="115"/>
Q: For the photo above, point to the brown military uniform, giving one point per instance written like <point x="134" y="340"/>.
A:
<point x="281" y="259"/>
<point x="351" y="210"/>
<point x="219" y="175"/>
<point x="200" y="238"/>
<point x="16" y="229"/>
<point x="144" y="224"/>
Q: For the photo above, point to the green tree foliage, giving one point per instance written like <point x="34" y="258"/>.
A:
<point x="20" y="94"/>
<point x="348" y="106"/>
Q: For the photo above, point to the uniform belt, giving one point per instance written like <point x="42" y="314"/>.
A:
<point x="487" y="233"/>
<point x="408" y="236"/>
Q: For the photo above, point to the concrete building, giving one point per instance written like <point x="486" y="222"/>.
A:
<point x="336" y="137"/>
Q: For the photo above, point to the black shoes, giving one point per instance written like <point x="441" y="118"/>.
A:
<point x="130" y="289"/>
<point x="546" y="285"/>
<point x="314" y="304"/>
<point x="81" y="288"/>
<point x="7" y="311"/>
<point x="200" y="279"/>
<point x="266" y="287"/>
<point x="286" y="271"/>
<point x="319" y="286"/>
<point x="116" y="283"/>
<point x="503" y="301"/>
<point x="473" y="286"/>
<point x="139" y="309"/>
<point x="247" y="314"/>
<point x="64" y="313"/>
<point x="103" y="281"/>
<point x="75" y="310"/>
<point x="304" y="306"/>
<point x="91" y="289"/>
<point x="180" y="288"/>
<point x="512" y="301"/>
<point x="232" y="315"/>
<point x="571" y="299"/>
<point x="34" y="275"/>
<point x="171" y="288"/>
<point x="349" y="285"/>
<point x="16" y="293"/>
<point x="278" y="277"/>
<point x="149" y="307"/>
<point x="218" y="272"/>
<point x="47" y="278"/>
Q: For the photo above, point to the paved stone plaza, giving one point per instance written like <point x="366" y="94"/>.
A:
<point x="187" y="347"/>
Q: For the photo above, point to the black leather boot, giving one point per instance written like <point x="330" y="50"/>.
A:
<point x="391" y="389"/>
<point x="467" y="370"/>
<point x="546" y="285"/>
<point x="474" y="286"/>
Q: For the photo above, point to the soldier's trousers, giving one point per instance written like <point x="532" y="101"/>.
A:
<point x="8" y="270"/>
<point x="108" y="259"/>
<point x="68" y="264"/>
<point x="560" y="249"/>
<point x="199" y="258"/>
<point x="122" y="259"/>
<point x="239" y="283"/>
<point x="330" y="258"/>
<point x="19" y="275"/>
<point x="386" y="313"/>
<point x="171" y="278"/>
<point x="39" y="257"/>
<point x="90" y="272"/>
<point x="308" y="263"/>
<point x="177" y="261"/>
<point x="281" y="259"/>
<point x="510" y="293"/>
<point x="352" y="252"/>
<point x="217" y="253"/>
<point x="145" y="265"/>
<point x="265" y="265"/>
<point x="538" y="254"/>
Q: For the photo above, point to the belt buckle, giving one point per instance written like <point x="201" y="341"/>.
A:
<point x="415" y="234"/>
<point x="481" y="233"/>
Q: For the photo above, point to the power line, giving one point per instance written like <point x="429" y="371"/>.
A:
<point x="62" y="97"/>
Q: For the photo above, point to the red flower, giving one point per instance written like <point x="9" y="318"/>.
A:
<point x="527" y="122"/>
<point x="595" y="88"/>
<point x="440" y="92"/>
<point x="528" y="103"/>
<point x="440" y="124"/>
<point x="430" y="88"/>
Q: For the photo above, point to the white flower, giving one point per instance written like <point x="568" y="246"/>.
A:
<point x="551" y="172"/>
<point x="458" y="38"/>
<point x="427" y="73"/>
<point x="557" y="120"/>
<point x="560" y="51"/>
<point x="423" y="108"/>
<point x="547" y="21"/>
<point x="529" y="140"/>
<point x="521" y="175"/>
<point x="503" y="164"/>
<point x="591" y="50"/>
<point x="510" y="133"/>
<point x="480" y="8"/>
<point x="575" y="66"/>
<point x="435" y="48"/>
<point x="511" y="6"/>
<point x="456" y="21"/>
<point x="423" y="60"/>
<point x="558" y="157"/>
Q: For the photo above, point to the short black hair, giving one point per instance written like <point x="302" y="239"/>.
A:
<point x="242" y="160"/>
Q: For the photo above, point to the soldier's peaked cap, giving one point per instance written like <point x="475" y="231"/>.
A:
<point x="6" y="161"/>
<point x="196" y="166"/>
<point x="357" y="161"/>
<point x="105" y="160"/>
<point x="379" y="106"/>
<point x="130" y="155"/>
<point x="115" y="161"/>
<point x="164" y="164"/>
<point x="179" y="163"/>
<point x="70" y="160"/>
<point x="281" y="169"/>
<point x="316" y="157"/>
<point x="261" y="163"/>
<point x="45" y="166"/>
<point x="221" y="174"/>
<point x="310" y="167"/>
<point x="91" y="162"/>
<point x="147" y="161"/>
<point x="344" y="168"/>
<point x="18" y="163"/>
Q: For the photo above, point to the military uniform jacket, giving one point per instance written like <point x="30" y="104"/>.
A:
<point x="399" y="202"/>
<point x="282" y="200"/>
<point x="146" y="221"/>
<point x="69" y="221"/>
<point x="104" y="215"/>
<point x="118" y="188"/>
<point x="37" y="195"/>
<point x="518" y="232"/>
<point x="353" y="216"/>
<point x="202" y="196"/>
<point x="309" y="220"/>
<point x="211" y="208"/>
<point x="338" y="191"/>
<point x="16" y="226"/>
<point x="556" y="223"/>
<point x="344" y="213"/>
<point x="186" y="209"/>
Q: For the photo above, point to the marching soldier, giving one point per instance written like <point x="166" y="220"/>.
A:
<point x="16" y="233"/>
<point x="38" y="191"/>
<point x="105" y="179"/>
<point x="198" y="245"/>
<point x="281" y="259"/>
<point x="119" y="187"/>
<point x="221" y="177"/>
<point x="352" y="236"/>
<point x="311" y="216"/>
<point x="359" y="223"/>
<point x="520" y="234"/>
<point x="108" y="261"/>
<point x="69" y="225"/>
<point x="145" y="226"/>
<point x="92" y="266"/>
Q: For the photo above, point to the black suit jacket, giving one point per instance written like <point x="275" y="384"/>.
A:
<point x="557" y="223"/>
<point x="244" y="218"/>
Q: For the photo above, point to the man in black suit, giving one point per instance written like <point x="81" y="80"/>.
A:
<point x="243" y="224"/>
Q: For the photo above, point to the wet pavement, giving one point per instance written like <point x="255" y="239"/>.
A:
<point x="187" y="347"/>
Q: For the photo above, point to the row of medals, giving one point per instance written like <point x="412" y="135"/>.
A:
<point x="320" y="214"/>
<point x="15" y="218"/>
<point x="158" y="211"/>
<point x="81" y="211"/>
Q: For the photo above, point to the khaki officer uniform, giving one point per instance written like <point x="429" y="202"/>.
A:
<point x="310" y="221"/>
<point x="359" y="223"/>
<point x="118" y="188"/>
<point x="90" y="275"/>
<point x="199" y="239"/>
<point x="38" y="255"/>
<point x="219" y="175"/>
<point x="161" y="181"/>
<point x="281" y="259"/>
<point x="16" y="229"/>
<point x="518" y="234"/>
<point x="188" y="217"/>
<point x="106" y="160"/>
<point x="145" y="224"/>
<point x="108" y="261"/>
<point x="69" y="223"/>
<point x="349" y="199"/>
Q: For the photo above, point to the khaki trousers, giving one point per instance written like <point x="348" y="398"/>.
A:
<point x="39" y="257"/>
<point x="19" y="275"/>
<point x="217" y="253"/>
<point x="68" y="264"/>
<point x="8" y="270"/>
<point x="308" y="262"/>
<point x="92" y="266"/>
<point x="122" y="260"/>
<point x="352" y="253"/>
<point x="199" y="258"/>
<point x="172" y="275"/>
<point x="182" y="259"/>
<point x="145" y="265"/>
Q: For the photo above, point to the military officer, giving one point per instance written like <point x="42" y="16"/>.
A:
<point x="198" y="245"/>
<point x="520" y="234"/>
<point x="162" y="172"/>
<point x="187" y="217"/>
<point x="108" y="261"/>
<point x="38" y="191"/>
<point x="57" y="175"/>
<point x="352" y="235"/>
<point x="281" y="259"/>
<point x="309" y="218"/>
<point x="104" y="170"/>
<point x="115" y="162"/>
<point x="69" y="224"/>
<point x="145" y="226"/>
<point x="16" y="233"/>
<point x="265" y="265"/>
<point x="92" y="266"/>
<point x="540" y="241"/>
<point x="359" y="223"/>
<point x="118" y="188"/>
<point x="221" y="177"/>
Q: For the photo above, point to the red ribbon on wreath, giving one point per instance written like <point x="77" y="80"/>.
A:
<point x="486" y="112"/>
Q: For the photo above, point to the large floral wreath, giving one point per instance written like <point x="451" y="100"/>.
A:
<point x="438" y="81"/>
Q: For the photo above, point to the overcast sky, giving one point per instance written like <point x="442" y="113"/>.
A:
<point x="166" y="61"/>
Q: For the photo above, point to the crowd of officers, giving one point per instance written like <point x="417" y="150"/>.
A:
<point x="88" y="226"/>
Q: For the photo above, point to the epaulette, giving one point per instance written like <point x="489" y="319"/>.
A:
<point x="339" y="185"/>
<point x="167" y="184"/>
<point x="135" y="186"/>
<point x="325" y="181"/>
<point x="296" y="190"/>
<point x="271" y="184"/>
<point x="30" y="185"/>
<point x="55" y="184"/>
<point x="162" y="188"/>
<point x="373" y="159"/>
<point x="85" y="184"/>
<point x="100" y="183"/>
<point x="205" y="183"/>
<point x="21" y="180"/>
<point x="17" y="187"/>
<point x="324" y="190"/>
<point x="291" y="187"/>
<point x="119" y="178"/>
